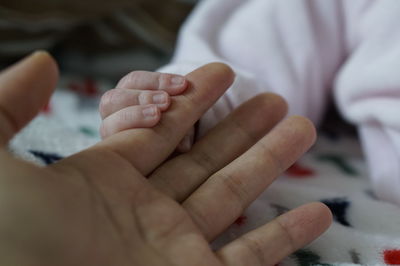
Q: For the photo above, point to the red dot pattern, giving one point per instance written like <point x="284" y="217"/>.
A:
<point x="299" y="171"/>
<point x="392" y="256"/>
<point x="88" y="87"/>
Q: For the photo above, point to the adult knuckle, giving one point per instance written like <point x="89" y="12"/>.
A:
<point x="236" y="188"/>
<point x="255" y="248"/>
<point x="203" y="160"/>
<point x="270" y="155"/>
<point x="286" y="235"/>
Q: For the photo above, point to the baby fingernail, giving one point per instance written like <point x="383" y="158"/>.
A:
<point x="160" y="98"/>
<point x="177" y="80"/>
<point x="150" y="111"/>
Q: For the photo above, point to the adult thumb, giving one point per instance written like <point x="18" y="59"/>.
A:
<point x="25" y="88"/>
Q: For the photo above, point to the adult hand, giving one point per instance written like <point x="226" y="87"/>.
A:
<point x="119" y="203"/>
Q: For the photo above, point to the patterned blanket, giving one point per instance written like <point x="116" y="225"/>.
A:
<point x="365" y="231"/>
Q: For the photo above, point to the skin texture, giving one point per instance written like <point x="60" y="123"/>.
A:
<point x="122" y="108"/>
<point x="138" y="101"/>
<point x="122" y="202"/>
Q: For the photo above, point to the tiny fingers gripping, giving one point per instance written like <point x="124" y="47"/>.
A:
<point x="207" y="83"/>
<point x="139" y="116"/>
<point x="143" y="80"/>
<point x="125" y="106"/>
<point x="118" y="99"/>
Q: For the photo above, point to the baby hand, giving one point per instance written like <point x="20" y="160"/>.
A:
<point x="137" y="102"/>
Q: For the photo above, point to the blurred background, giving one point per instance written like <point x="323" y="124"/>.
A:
<point x="95" y="42"/>
<point x="93" y="38"/>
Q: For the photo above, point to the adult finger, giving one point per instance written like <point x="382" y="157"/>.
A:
<point x="269" y="244"/>
<point x="187" y="141"/>
<point x="24" y="89"/>
<point x="235" y="186"/>
<point x="229" y="139"/>
<point x="144" y="80"/>
<point x="118" y="99"/>
<point x="152" y="146"/>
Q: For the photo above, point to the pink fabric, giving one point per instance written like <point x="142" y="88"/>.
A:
<point x="308" y="51"/>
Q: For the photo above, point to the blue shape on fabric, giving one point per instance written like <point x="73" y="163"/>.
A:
<point x="47" y="158"/>
<point x="306" y="257"/>
<point x="338" y="207"/>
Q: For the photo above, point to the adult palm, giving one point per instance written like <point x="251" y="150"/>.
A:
<point x="122" y="203"/>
